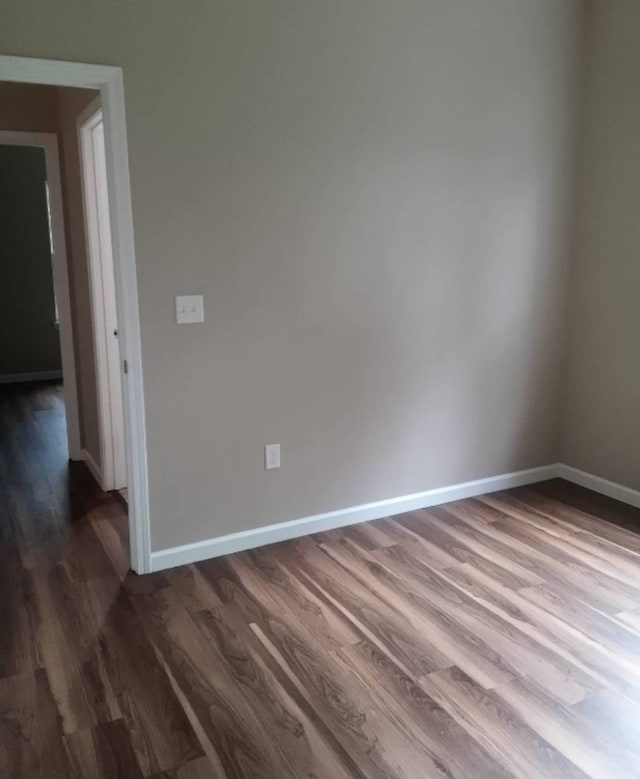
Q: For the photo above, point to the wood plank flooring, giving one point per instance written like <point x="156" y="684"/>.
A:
<point x="490" y="637"/>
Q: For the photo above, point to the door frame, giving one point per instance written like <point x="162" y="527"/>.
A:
<point x="109" y="80"/>
<point x="48" y="142"/>
<point x="108" y="376"/>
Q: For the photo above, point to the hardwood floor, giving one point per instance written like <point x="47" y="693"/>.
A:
<point x="492" y="637"/>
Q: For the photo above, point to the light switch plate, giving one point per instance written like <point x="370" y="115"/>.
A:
<point x="189" y="309"/>
<point x="271" y="456"/>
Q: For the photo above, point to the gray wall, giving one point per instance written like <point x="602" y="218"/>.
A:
<point x="372" y="198"/>
<point x="602" y="414"/>
<point x="29" y="340"/>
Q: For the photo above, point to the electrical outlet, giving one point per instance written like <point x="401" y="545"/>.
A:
<point x="271" y="457"/>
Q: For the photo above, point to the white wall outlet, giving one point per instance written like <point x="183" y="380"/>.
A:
<point x="271" y="456"/>
<point x="189" y="309"/>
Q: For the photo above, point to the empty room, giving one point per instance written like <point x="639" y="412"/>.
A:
<point x="320" y="389"/>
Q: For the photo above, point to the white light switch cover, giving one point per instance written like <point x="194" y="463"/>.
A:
<point x="271" y="456"/>
<point x="189" y="309"/>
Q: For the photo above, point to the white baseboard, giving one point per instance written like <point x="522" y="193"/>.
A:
<point x="283" y="531"/>
<point x="598" y="484"/>
<point x="18" y="378"/>
<point x="93" y="466"/>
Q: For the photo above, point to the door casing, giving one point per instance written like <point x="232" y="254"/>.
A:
<point x="109" y="80"/>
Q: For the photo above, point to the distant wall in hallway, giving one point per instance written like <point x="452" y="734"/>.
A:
<point x="29" y="342"/>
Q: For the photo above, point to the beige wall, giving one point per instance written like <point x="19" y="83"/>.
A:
<point x="29" y="107"/>
<point x="47" y="109"/>
<point x="372" y="198"/>
<point x="602" y="415"/>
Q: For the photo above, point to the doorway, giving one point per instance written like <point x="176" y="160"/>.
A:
<point x="128" y="445"/>
<point x="37" y="232"/>
<point x="108" y="361"/>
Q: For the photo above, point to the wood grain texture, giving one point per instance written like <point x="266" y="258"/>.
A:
<point x="491" y="637"/>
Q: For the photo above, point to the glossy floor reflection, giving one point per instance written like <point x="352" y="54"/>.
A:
<point x="490" y="637"/>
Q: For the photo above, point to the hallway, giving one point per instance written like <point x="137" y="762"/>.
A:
<point x="32" y="415"/>
<point x="43" y="496"/>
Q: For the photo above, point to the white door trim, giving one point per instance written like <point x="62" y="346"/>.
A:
<point x="49" y="143"/>
<point x="108" y="79"/>
<point x="101" y="276"/>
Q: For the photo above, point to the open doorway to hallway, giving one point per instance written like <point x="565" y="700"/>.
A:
<point x="57" y="237"/>
<point x="59" y="319"/>
<point x="53" y="513"/>
<point x="69" y="87"/>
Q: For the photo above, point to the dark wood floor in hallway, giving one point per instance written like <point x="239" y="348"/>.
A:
<point x="491" y="637"/>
